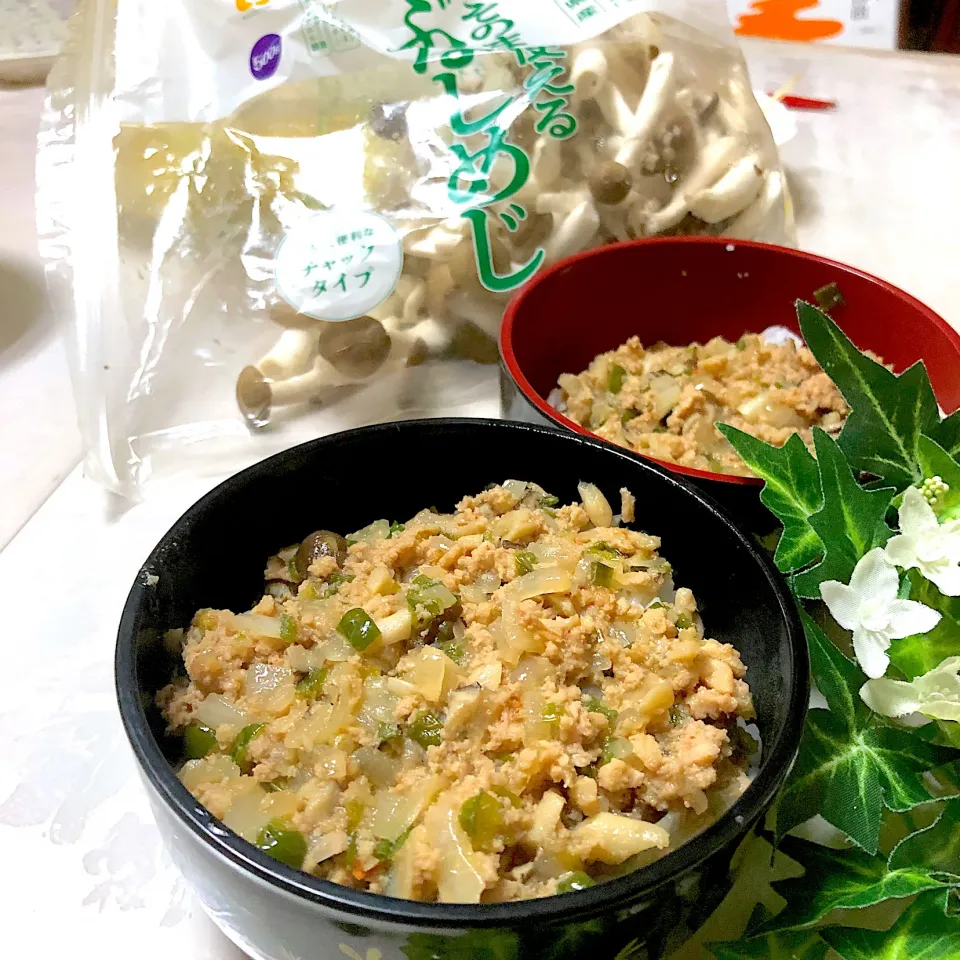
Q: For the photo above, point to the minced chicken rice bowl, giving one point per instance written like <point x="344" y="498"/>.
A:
<point x="509" y="701"/>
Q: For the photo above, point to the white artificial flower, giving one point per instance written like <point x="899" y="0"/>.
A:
<point x="936" y="694"/>
<point x="933" y="548"/>
<point x="869" y="607"/>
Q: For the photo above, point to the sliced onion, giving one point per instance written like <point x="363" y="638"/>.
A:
<point x="304" y="660"/>
<point x="326" y="847"/>
<point x="459" y="878"/>
<point x="539" y="581"/>
<point x="516" y="487"/>
<point x="666" y="392"/>
<point x="219" y="768"/>
<point x="336" y="649"/>
<point x="394" y="813"/>
<point x="215" y="710"/>
<point x="331" y="760"/>
<point x="378" y="768"/>
<point x="270" y="690"/>
<point x="246" y="816"/>
<point x="397" y="627"/>
<point x="595" y="503"/>
<point x="432" y="672"/>
<point x="322" y="615"/>
<point x="379" y="703"/>
<point x="489" y="676"/>
<point x="257" y="625"/>
<point x="611" y="837"/>
<point x="546" y="816"/>
<point x="378" y="530"/>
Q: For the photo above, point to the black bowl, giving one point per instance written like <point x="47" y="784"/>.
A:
<point x="213" y="556"/>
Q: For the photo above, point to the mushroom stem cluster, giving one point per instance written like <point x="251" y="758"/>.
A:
<point x="667" y="142"/>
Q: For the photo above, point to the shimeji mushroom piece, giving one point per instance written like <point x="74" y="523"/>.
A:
<point x="713" y="161"/>
<point x="588" y="74"/>
<point x="574" y="232"/>
<point x="733" y="192"/>
<point x="291" y="355"/>
<point x="750" y="223"/>
<point x="657" y="97"/>
<point x="485" y="314"/>
<point x="545" y="163"/>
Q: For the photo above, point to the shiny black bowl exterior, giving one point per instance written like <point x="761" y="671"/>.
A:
<point x="214" y="555"/>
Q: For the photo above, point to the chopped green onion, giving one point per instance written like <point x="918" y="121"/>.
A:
<point x="615" y="748"/>
<point x="600" y="574"/>
<point x="552" y="712"/>
<point x="396" y="527"/>
<point x="659" y="429"/>
<point x="590" y="771"/>
<point x="829" y="297"/>
<point x="311" y="686"/>
<point x="453" y="650"/>
<point x="578" y="880"/>
<point x="425" y="729"/>
<point x="333" y="583"/>
<point x="358" y="627"/>
<point x="272" y="786"/>
<point x="238" y="752"/>
<point x="525" y="562"/>
<point x="549" y="500"/>
<point x="601" y="548"/>
<point x="283" y="843"/>
<point x="388" y="731"/>
<point x="615" y="378"/>
<point x="683" y="621"/>
<point x="198" y="741"/>
<point x="288" y="628"/>
<point x="779" y="384"/>
<point x="741" y="344"/>
<point x="481" y="818"/>
<point x="387" y="849"/>
<point x="596" y="705"/>
<point x="350" y="854"/>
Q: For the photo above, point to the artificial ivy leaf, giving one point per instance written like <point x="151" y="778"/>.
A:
<point x="936" y="847"/>
<point x="920" y="653"/>
<point x="936" y="462"/>
<point x="888" y="412"/>
<point x="947" y="433"/>
<point x="473" y="945"/>
<point x="791" y="492"/>
<point x="851" y="761"/>
<point x="924" y="931"/>
<point x="841" y="880"/>
<point x="784" y="945"/>
<point x="850" y="523"/>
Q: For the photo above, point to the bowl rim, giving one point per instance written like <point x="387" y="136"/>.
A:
<point x="509" y="359"/>
<point x="777" y="760"/>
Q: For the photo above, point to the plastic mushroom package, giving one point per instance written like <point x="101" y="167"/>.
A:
<point x="279" y="218"/>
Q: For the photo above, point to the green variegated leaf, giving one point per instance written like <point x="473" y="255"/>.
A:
<point x="785" y="945"/>
<point x="888" y="412"/>
<point x="791" y="492"/>
<point x="916" y="655"/>
<point x="936" y="462"/>
<point x="925" y="931"/>
<point x="851" y="762"/>
<point x="947" y="433"/>
<point x="850" y="522"/>
<point x="842" y="880"/>
<point x="936" y="848"/>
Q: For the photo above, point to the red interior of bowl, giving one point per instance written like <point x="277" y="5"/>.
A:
<point x="686" y="289"/>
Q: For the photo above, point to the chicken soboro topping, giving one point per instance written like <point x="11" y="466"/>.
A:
<point x="509" y="701"/>
<point x="664" y="401"/>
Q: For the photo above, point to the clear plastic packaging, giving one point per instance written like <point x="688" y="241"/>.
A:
<point x="275" y="219"/>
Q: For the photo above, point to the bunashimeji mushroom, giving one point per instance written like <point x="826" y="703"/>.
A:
<point x="657" y="97"/>
<point x="733" y="192"/>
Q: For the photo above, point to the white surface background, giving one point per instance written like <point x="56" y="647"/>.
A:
<point x="875" y="184"/>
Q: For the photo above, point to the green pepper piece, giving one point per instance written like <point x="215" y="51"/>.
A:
<point x="427" y="599"/>
<point x="552" y="712"/>
<point x="596" y="705"/>
<point x="388" y="731"/>
<point x="481" y="818"/>
<point x="578" y="880"/>
<point x="627" y="415"/>
<point x="311" y="686"/>
<point x="601" y="548"/>
<point x="425" y="729"/>
<point x="273" y="786"/>
<point x="198" y="741"/>
<point x="292" y="572"/>
<point x="615" y="378"/>
<point x="741" y="344"/>
<point x="453" y="650"/>
<point x="358" y="627"/>
<point x="387" y="849"/>
<point x="396" y="527"/>
<point x="333" y="583"/>
<point x="683" y="621"/>
<point x="600" y="574"/>
<point x="525" y="562"/>
<point x="280" y="841"/>
<point x="508" y="795"/>
<point x="288" y="628"/>
<point x="238" y="752"/>
<point x="548" y="500"/>
<point x="350" y="854"/>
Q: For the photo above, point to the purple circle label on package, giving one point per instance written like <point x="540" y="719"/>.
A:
<point x="265" y="56"/>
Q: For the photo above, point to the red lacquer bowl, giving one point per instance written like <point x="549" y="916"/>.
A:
<point x="686" y="289"/>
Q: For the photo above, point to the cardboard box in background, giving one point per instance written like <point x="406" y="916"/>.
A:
<point x="855" y="23"/>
